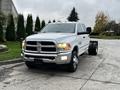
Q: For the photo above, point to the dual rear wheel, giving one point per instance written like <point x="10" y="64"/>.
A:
<point x="93" y="48"/>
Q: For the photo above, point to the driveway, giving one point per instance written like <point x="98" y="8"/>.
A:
<point x="101" y="72"/>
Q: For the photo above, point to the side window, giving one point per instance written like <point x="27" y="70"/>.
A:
<point x="79" y="28"/>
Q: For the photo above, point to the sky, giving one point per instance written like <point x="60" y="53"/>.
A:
<point x="60" y="9"/>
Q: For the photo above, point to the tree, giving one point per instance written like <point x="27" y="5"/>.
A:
<point x="37" y="25"/>
<point x="110" y="25"/>
<point x="10" y="31"/>
<point x="1" y="32"/>
<point x="100" y="23"/>
<point x="49" y="21"/>
<point x="113" y="27"/>
<point x="21" y="33"/>
<point x="2" y="23"/>
<point x="119" y="29"/>
<point x="43" y="24"/>
<point x="29" y="25"/>
<point x="54" y="21"/>
<point x="73" y="17"/>
<point x="116" y="29"/>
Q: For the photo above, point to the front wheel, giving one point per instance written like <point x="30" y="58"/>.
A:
<point x="72" y="66"/>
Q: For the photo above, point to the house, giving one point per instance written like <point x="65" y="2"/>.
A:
<point x="8" y="7"/>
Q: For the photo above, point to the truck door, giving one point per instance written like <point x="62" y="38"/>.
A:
<point x="86" y="38"/>
<point x="80" y="38"/>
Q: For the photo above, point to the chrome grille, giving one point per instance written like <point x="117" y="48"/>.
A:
<point x="40" y="46"/>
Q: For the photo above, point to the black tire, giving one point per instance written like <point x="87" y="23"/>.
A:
<point x="30" y="65"/>
<point x="72" y="66"/>
<point x="93" y="48"/>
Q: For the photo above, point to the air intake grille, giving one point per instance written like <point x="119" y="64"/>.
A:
<point x="40" y="46"/>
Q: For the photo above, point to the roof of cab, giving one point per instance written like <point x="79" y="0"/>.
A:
<point x="65" y="23"/>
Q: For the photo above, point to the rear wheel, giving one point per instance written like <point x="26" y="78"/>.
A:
<point x="93" y="48"/>
<point x="30" y="65"/>
<point x="72" y="67"/>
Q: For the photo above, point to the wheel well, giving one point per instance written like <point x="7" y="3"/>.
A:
<point x="75" y="49"/>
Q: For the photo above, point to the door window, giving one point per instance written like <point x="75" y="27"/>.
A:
<point x="79" y="28"/>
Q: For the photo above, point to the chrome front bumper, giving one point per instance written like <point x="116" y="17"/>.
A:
<point x="57" y="60"/>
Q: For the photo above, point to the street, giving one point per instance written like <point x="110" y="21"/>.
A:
<point x="101" y="72"/>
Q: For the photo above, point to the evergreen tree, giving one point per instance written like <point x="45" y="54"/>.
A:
<point x="73" y="16"/>
<point x="29" y="25"/>
<point x="54" y="21"/>
<point x="43" y="24"/>
<point x="37" y="24"/>
<point x="49" y="21"/>
<point x="21" y="33"/>
<point x="1" y="32"/>
<point x="10" y="31"/>
<point x="2" y="23"/>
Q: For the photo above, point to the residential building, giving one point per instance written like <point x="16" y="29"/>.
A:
<point x="8" y="7"/>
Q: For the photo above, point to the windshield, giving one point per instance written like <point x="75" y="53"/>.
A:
<point x="59" y="28"/>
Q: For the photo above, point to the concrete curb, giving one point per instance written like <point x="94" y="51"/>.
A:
<point x="17" y="60"/>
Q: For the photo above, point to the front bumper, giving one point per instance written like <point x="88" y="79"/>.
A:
<point x="58" y="57"/>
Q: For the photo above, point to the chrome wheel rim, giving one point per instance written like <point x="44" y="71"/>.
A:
<point x="75" y="61"/>
<point x="96" y="50"/>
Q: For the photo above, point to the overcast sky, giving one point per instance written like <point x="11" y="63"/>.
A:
<point x="60" y="9"/>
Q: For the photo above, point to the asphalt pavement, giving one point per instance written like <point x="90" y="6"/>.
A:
<point x="101" y="72"/>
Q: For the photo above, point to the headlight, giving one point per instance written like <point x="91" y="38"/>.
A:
<point x="64" y="46"/>
<point x="23" y="44"/>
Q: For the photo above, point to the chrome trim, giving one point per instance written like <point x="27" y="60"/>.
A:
<point x="48" y="52"/>
<point x="31" y="51"/>
<point x="64" y="53"/>
<point x="28" y="51"/>
<point x="48" y="46"/>
<point x="32" y="45"/>
<point x="49" y="60"/>
<point x="39" y="46"/>
<point x="32" y="54"/>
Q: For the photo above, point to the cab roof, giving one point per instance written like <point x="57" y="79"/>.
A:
<point x="65" y="23"/>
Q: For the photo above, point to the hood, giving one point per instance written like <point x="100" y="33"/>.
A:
<point x="49" y="36"/>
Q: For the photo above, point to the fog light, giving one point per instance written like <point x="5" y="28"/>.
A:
<point x="64" y="58"/>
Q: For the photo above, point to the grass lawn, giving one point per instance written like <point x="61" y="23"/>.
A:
<point x="14" y="51"/>
<point x="106" y="37"/>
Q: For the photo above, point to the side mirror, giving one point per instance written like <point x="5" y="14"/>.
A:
<point x="89" y="30"/>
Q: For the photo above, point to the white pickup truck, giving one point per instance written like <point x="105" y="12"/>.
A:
<point x="58" y="43"/>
